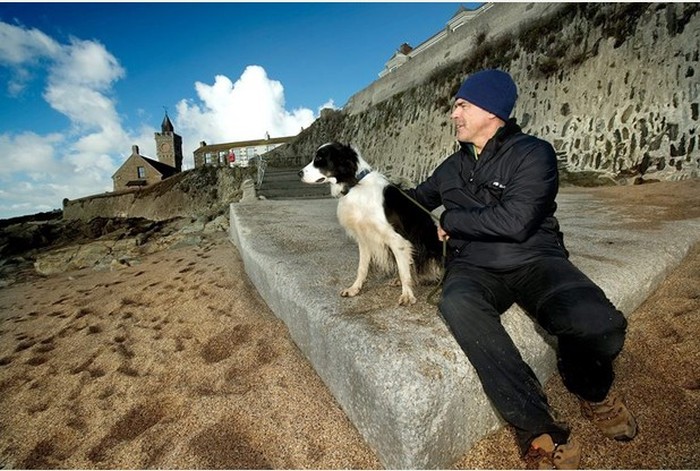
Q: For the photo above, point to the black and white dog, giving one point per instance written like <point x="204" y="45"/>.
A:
<point x="379" y="218"/>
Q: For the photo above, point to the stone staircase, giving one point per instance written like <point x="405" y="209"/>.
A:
<point x="284" y="184"/>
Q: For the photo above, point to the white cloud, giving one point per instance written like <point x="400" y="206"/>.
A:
<point x="36" y="176"/>
<point x="87" y="63"/>
<point x="80" y="80"/>
<point x="247" y="109"/>
<point x="28" y="153"/>
<point x="22" y="49"/>
<point x="38" y="171"/>
<point x="41" y="170"/>
<point x="20" y="46"/>
<point x="330" y="104"/>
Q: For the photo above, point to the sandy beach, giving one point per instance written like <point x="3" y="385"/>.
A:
<point x="176" y="362"/>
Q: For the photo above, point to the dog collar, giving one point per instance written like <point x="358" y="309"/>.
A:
<point x="363" y="174"/>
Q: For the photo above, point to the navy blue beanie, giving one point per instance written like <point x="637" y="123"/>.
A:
<point x="491" y="90"/>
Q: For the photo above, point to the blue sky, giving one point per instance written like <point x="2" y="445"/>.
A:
<point x="80" y="83"/>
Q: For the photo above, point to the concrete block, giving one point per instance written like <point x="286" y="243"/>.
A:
<point x="397" y="371"/>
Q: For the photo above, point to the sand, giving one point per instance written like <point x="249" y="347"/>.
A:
<point x="178" y="363"/>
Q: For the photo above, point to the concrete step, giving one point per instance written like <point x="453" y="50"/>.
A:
<point x="293" y="193"/>
<point x="284" y="183"/>
<point x="286" y="172"/>
<point x="273" y="173"/>
<point x="396" y="371"/>
<point x="279" y="183"/>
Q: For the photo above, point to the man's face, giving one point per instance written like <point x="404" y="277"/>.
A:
<point x="470" y="121"/>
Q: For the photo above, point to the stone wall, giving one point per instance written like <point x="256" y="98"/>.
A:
<point x="614" y="87"/>
<point x="206" y="191"/>
<point x="631" y="106"/>
<point x="494" y="21"/>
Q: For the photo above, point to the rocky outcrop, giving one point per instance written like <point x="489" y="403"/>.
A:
<point x="614" y="87"/>
<point x="47" y="247"/>
<point x="113" y="253"/>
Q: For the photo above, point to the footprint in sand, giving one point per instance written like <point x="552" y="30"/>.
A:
<point x="24" y="345"/>
<point x="84" y="365"/>
<point x="43" y="456"/>
<point x="223" y="345"/>
<point x="227" y="445"/>
<point x="129" y="427"/>
<point x="37" y="360"/>
<point x="82" y="312"/>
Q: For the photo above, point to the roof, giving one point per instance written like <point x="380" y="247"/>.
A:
<point x="167" y="125"/>
<point x="164" y="169"/>
<point x="460" y="10"/>
<point x="228" y="145"/>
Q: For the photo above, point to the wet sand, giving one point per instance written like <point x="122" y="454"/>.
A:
<point x="178" y="363"/>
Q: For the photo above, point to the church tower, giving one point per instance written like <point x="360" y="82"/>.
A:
<point x="169" y="145"/>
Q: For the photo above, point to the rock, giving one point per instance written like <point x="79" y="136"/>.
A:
<point x="248" y="188"/>
<point x="219" y="224"/>
<point x="187" y="241"/>
<point x="196" y="226"/>
<point x="118" y="264"/>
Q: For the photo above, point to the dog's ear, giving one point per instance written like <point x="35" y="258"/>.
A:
<point x="347" y="165"/>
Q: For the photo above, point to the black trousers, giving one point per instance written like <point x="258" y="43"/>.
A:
<point x="566" y="303"/>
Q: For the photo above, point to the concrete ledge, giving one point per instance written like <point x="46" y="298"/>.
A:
<point x="397" y="372"/>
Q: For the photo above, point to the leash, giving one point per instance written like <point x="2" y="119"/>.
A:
<point x="431" y="296"/>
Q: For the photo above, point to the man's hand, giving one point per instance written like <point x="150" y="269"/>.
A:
<point x="442" y="235"/>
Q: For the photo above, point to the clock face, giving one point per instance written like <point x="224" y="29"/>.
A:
<point x="165" y="147"/>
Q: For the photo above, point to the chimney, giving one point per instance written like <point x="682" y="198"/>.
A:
<point x="134" y="150"/>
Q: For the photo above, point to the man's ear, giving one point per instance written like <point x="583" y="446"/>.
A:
<point x="493" y="118"/>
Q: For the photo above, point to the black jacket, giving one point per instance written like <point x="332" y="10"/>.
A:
<point x="499" y="208"/>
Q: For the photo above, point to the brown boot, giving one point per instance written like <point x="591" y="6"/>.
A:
<point x="545" y="454"/>
<point x="612" y="417"/>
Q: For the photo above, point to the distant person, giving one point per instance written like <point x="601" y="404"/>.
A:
<point x="505" y="247"/>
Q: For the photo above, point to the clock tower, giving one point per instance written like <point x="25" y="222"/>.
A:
<point x="169" y="145"/>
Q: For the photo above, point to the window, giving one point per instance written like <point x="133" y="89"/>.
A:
<point x="223" y="157"/>
<point x="208" y="158"/>
<point x="141" y="171"/>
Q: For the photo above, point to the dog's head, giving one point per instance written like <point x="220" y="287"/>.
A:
<point x="332" y="163"/>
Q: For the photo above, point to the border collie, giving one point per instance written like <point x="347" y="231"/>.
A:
<point x="379" y="218"/>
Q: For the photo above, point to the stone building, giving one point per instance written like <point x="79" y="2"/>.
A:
<point x="139" y="170"/>
<point x="236" y="153"/>
<point x="405" y="52"/>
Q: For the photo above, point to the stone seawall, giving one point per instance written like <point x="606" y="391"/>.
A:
<point x="206" y="191"/>
<point x="496" y="20"/>
<point x="631" y="106"/>
<point x="107" y="205"/>
<point x="614" y="87"/>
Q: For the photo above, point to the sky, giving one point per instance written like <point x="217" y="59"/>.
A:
<point x="80" y="83"/>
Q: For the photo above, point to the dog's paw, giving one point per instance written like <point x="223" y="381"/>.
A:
<point x="406" y="299"/>
<point x="350" y="292"/>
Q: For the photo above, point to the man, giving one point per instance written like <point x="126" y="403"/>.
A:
<point x="504" y="246"/>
